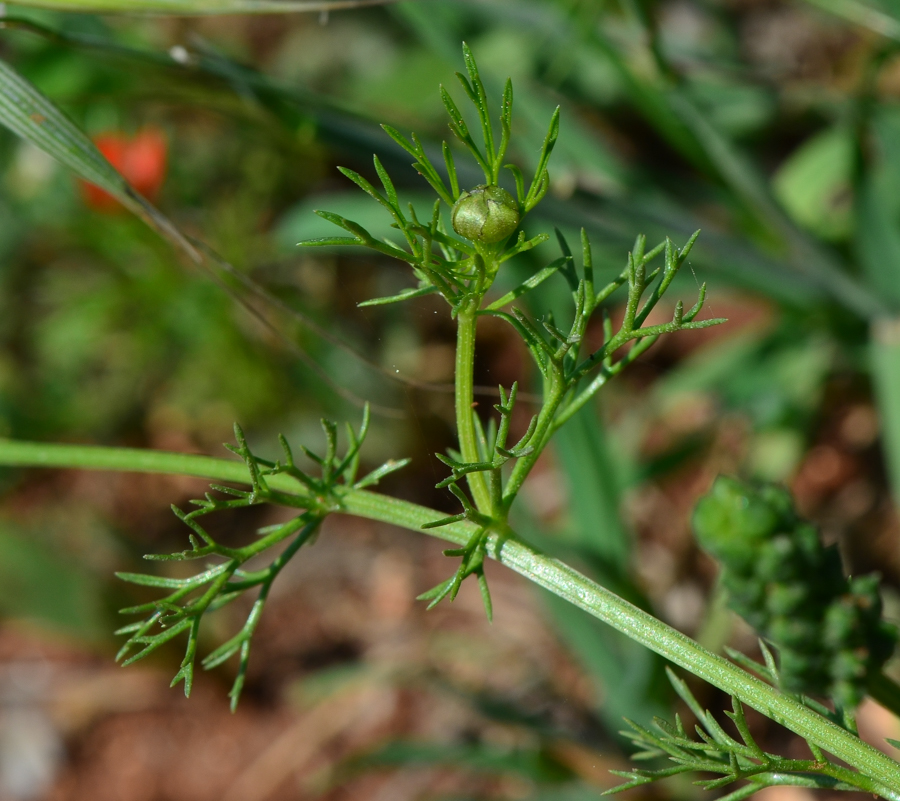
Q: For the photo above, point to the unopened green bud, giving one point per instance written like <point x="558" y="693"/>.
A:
<point x="485" y="214"/>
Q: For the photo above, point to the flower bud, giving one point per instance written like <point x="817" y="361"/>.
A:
<point x="485" y="214"/>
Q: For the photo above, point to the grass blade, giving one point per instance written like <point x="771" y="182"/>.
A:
<point x="885" y="366"/>
<point x="200" y="7"/>
<point x="880" y="20"/>
<point x="26" y="112"/>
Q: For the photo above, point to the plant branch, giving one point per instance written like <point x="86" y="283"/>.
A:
<point x="548" y="573"/>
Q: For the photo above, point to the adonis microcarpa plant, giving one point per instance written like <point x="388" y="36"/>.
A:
<point x="457" y="252"/>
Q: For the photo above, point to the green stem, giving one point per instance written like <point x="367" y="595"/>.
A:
<point x="883" y="772"/>
<point x="600" y="381"/>
<point x="579" y="590"/>
<point x="555" y="393"/>
<point x="465" y="397"/>
<point x="776" y="778"/>
<point x="282" y="533"/>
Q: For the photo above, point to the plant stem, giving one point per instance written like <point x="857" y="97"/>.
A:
<point x="555" y="393"/>
<point x="465" y="424"/>
<point x="883" y="773"/>
<point x="878" y="772"/>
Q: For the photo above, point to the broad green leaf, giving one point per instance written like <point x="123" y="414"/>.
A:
<point x="736" y="108"/>
<point x="813" y="185"/>
<point x="301" y="223"/>
<point x="742" y="175"/>
<point x="193" y="8"/>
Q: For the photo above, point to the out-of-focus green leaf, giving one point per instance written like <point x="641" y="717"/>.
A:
<point x="885" y="366"/>
<point x="576" y="793"/>
<point x="593" y="490"/>
<point x="813" y="185"/>
<point x="530" y="763"/>
<point x="877" y="243"/>
<point x="878" y="17"/>
<point x="877" y="239"/>
<point x="301" y="222"/>
<point x="773" y="377"/>
<point x="745" y="180"/>
<point x="737" y="109"/>
<point x="38" y="585"/>
<point x="193" y="8"/>
<point x="24" y="110"/>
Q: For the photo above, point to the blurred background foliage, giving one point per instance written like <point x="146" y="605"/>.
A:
<point x="772" y="125"/>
